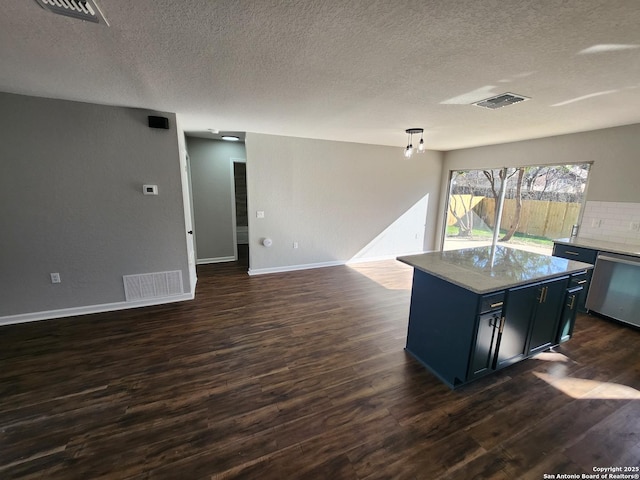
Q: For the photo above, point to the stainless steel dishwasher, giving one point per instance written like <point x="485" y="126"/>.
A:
<point x="615" y="288"/>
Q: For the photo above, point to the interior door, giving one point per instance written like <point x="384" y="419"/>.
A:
<point x="187" y="201"/>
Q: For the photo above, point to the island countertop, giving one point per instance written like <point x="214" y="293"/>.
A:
<point x="476" y="269"/>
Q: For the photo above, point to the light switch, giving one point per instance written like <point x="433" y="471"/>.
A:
<point x="259" y="214"/>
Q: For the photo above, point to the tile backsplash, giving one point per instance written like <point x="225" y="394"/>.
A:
<point x="612" y="221"/>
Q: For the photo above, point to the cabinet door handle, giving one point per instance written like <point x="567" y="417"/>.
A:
<point x="501" y="324"/>
<point x="571" y="253"/>
<point x="497" y="304"/>
<point x="582" y="282"/>
<point x="543" y="295"/>
<point x="573" y="301"/>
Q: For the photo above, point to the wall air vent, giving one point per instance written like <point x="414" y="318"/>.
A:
<point x="500" y="101"/>
<point x="82" y="9"/>
<point x="152" y="285"/>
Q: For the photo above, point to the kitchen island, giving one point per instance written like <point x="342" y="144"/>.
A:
<point x="477" y="310"/>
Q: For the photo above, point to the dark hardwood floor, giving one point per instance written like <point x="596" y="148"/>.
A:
<point x="301" y="375"/>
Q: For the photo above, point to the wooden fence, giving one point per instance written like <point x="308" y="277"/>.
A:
<point x="461" y="204"/>
<point x="538" y="217"/>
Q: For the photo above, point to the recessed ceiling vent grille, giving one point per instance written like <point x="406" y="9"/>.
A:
<point x="499" y="101"/>
<point x="82" y="9"/>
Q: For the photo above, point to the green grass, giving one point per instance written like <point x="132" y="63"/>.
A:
<point x="452" y="231"/>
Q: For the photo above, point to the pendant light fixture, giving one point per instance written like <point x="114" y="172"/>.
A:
<point x="408" y="152"/>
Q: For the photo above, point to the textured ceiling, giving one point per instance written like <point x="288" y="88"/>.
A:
<point x="358" y="70"/>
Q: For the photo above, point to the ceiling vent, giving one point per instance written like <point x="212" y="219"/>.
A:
<point x="82" y="9"/>
<point x="499" y="101"/>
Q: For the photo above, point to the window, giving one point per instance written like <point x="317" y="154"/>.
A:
<point x="541" y="203"/>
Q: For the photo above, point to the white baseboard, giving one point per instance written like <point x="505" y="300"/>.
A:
<point x="382" y="258"/>
<point x="293" y="268"/>
<point x="105" y="307"/>
<point x="204" y="261"/>
<point x="308" y="266"/>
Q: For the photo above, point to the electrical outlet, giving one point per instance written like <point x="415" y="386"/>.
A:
<point x="55" y="278"/>
<point x="596" y="222"/>
<point x="634" y="226"/>
<point x="259" y="214"/>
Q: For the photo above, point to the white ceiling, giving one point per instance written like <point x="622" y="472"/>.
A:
<point x="357" y="70"/>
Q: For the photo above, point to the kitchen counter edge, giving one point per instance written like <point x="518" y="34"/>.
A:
<point x="460" y="276"/>
<point x="601" y="245"/>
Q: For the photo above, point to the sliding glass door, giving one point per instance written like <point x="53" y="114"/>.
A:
<point x="541" y="203"/>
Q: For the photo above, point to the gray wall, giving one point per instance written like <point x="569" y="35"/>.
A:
<point x="71" y="201"/>
<point x="615" y="174"/>
<point x="211" y="181"/>
<point x="340" y="201"/>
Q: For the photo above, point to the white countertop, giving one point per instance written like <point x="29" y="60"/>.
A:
<point x="477" y="270"/>
<point x="602" y="245"/>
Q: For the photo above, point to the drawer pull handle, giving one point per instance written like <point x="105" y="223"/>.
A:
<point x="497" y="304"/>
<point x="582" y="282"/>
<point x="571" y="253"/>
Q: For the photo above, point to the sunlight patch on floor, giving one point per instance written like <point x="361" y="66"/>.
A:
<point x="552" y="357"/>
<point x="388" y="273"/>
<point x="582" y="388"/>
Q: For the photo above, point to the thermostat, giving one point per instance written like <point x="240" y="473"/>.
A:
<point x="150" y="189"/>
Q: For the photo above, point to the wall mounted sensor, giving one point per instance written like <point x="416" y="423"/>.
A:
<point x="158" y="122"/>
<point x="267" y="242"/>
<point x="150" y="189"/>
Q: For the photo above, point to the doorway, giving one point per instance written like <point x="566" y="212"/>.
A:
<point x="219" y="190"/>
<point x="239" y="167"/>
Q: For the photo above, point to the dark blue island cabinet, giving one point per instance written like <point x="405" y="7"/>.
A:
<point x="461" y="334"/>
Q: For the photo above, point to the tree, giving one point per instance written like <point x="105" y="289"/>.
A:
<point x="541" y="179"/>
<point x="513" y="228"/>
<point x="504" y="175"/>
<point x="464" y="221"/>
